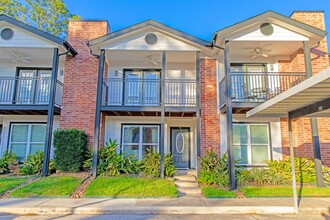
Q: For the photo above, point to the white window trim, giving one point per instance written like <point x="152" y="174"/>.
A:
<point x="249" y="144"/>
<point x="140" y="144"/>
<point x="28" y="141"/>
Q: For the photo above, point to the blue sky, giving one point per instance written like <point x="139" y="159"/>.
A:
<point x="197" y="17"/>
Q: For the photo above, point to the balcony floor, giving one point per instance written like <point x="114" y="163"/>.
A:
<point x="10" y="109"/>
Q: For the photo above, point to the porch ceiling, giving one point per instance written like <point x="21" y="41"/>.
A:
<point x="309" y="92"/>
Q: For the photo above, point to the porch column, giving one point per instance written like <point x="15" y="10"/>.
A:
<point x="198" y="113"/>
<point x="293" y="171"/>
<point x="50" y="114"/>
<point x="98" y="113"/>
<point x="314" y="126"/>
<point x="229" y="117"/>
<point x="162" y="125"/>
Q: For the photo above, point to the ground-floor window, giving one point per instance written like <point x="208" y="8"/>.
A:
<point x="251" y="143"/>
<point x="26" y="139"/>
<point x="136" y="139"/>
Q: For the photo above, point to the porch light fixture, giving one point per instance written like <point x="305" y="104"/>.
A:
<point x="151" y="39"/>
<point x="266" y="29"/>
<point x="7" y="34"/>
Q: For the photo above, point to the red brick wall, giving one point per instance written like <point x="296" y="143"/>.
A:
<point x="210" y="129"/>
<point x="80" y="79"/>
<point x="302" y="137"/>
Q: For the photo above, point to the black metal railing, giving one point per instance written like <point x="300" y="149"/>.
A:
<point x="28" y="90"/>
<point x="147" y="92"/>
<point x="259" y="87"/>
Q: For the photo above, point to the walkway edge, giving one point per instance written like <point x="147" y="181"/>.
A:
<point x="151" y="210"/>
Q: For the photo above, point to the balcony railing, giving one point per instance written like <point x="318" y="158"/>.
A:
<point x="147" y="92"/>
<point x="259" y="87"/>
<point x="28" y="90"/>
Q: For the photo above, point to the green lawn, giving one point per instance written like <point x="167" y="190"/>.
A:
<point x="48" y="187"/>
<point x="7" y="183"/>
<point x="212" y="192"/>
<point x="284" y="191"/>
<point x="131" y="187"/>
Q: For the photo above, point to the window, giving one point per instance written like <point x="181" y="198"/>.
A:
<point x="251" y="143"/>
<point x="136" y="139"/>
<point x="26" y="139"/>
<point x="0" y="135"/>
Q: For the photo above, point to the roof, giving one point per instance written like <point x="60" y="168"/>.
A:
<point x="146" y="24"/>
<point x="314" y="89"/>
<point x="270" y="14"/>
<point x="40" y="33"/>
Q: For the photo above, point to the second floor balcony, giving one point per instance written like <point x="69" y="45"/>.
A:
<point x="249" y="89"/>
<point x="128" y="92"/>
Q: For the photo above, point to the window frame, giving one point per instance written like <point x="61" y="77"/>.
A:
<point x="140" y="144"/>
<point x="28" y="142"/>
<point x="249" y="144"/>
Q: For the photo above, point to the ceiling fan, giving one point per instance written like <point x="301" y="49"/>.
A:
<point x="19" y="57"/>
<point x="152" y="59"/>
<point x="259" y="52"/>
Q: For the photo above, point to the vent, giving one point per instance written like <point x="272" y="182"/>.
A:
<point x="7" y="34"/>
<point x="151" y="39"/>
<point x="266" y="29"/>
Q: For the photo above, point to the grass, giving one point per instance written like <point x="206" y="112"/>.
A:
<point x="284" y="191"/>
<point x="131" y="187"/>
<point x="48" y="187"/>
<point x="212" y="192"/>
<point x="7" y="183"/>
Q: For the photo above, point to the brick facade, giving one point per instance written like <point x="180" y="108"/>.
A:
<point x="301" y="127"/>
<point x="210" y="128"/>
<point x="80" y="79"/>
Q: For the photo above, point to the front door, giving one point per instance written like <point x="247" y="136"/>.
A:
<point x="180" y="147"/>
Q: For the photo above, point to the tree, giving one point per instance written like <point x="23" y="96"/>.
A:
<point x="51" y="16"/>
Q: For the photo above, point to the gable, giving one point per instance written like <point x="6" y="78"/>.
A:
<point x="23" y="38"/>
<point x="136" y="41"/>
<point x="254" y="34"/>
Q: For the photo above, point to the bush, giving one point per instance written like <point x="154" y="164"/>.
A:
<point x="33" y="164"/>
<point x="150" y="165"/>
<point x="110" y="163"/>
<point x="7" y="159"/>
<point x="215" y="169"/>
<point x="69" y="148"/>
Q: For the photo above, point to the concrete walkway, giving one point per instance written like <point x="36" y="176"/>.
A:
<point x="163" y="206"/>
<point x="187" y="184"/>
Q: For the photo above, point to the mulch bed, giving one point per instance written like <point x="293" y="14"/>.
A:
<point x="80" y="190"/>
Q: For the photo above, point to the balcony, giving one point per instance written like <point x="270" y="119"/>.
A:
<point x="250" y="89"/>
<point x="126" y="94"/>
<point x="22" y="95"/>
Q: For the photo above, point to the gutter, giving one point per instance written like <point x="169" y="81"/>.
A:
<point x="70" y="49"/>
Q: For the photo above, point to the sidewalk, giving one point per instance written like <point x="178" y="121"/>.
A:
<point x="163" y="206"/>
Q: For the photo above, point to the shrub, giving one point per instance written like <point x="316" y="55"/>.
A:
<point x="33" y="164"/>
<point x="150" y="165"/>
<point x="215" y="169"/>
<point x="69" y="148"/>
<point x="7" y="159"/>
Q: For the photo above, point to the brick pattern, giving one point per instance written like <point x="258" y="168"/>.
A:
<point x="80" y="79"/>
<point x="210" y="129"/>
<point x="301" y="130"/>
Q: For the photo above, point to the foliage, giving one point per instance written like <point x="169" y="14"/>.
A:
<point x="52" y="186"/>
<point x="129" y="186"/>
<point x="69" y="149"/>
<point x="51" y="16"/>
<point x="150" y="165"/>
<point x="33" y="164"/>
<point x="279" y="173"/>
<point x="7" y="159"/>
<point x="215" y="169"/>
<point x="110" y="162"/>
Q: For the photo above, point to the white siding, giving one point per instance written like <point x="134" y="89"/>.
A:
<point x="254" y="34"/>
<point x="137" y="42"/>
<point x="23" y="38"/>
<point x="113" y="130"/>
<point x="5" y="120"/>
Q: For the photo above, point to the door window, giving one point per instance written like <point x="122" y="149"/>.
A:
<point x="251" y="143"/>
<point x="26" y="139"/>
<point x="137" y="139"/>
<point x="180" y="144"/>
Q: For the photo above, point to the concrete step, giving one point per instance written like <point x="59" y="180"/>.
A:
<point x="185" y="183"/>
<point x="185" y="178"/>
<point x="189" y="190"/>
